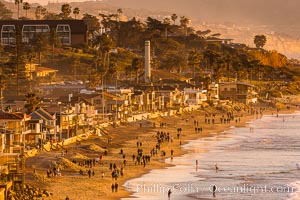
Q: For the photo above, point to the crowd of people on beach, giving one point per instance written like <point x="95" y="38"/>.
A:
<point x="163" y="136"/>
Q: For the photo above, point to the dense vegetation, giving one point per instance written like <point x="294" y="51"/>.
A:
<point x="118" y="52"/>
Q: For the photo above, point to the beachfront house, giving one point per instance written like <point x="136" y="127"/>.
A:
<point x="13" y="131"/>
<point x="42" y="125"/>
<point x="68" y="120"/>
<point x="166" y="97"/>
<point x="237" y="91"/>
<point x="213" y="91"/>
<point x="33" y="70"/>
<point x="119" y="106"/>
<point x="137" y="100"/>
<point x="143" y="100"/>
<point x="194" y="96"/>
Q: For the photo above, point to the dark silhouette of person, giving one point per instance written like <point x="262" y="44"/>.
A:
<point x="217" y="168"/>
<point x="116" y="187"/>
<point x="214" y="190"/>
<point x="112" y="187"/>
<point x="169" y="194"/>
<point x="89" y="173"/>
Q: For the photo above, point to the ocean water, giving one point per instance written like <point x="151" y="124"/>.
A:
<point x="258" y="164"/>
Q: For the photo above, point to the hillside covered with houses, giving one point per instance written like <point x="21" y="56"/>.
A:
<point x="63" y="76"/>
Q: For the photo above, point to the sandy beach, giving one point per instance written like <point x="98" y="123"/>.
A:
<point x="121" y="143"/>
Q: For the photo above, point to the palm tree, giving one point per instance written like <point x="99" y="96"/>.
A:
<point x="104" y="44"/>
<point x="26" y="7"/>
<point x="174" y="17"/>
<point x="76" y="12"/>
<point x="184" y="22"/>
<point x="54" y="41"/>
<point x="40" y="11"/>
<point x="166" y="23"/>
<point x="66" y="10"/>
<point x="18" y="2"/>
<point x="136" y="65"/>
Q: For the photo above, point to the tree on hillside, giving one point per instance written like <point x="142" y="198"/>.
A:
<point x="66" y="10"/>
<point x="76" y="12"/>
<point x="136" y="65"/>
<point x="155" y="28"/>
<point x="18" y="2"/>
<point x="40" y="12"/>
<point x="30" y="56"/>
<point x="119" y="13"/>
<point x="184" y="22"/>
<point x="211" y="58"/>
<point x="75" y="63"/>
<point x="131" y="34"/>
<point x="92" y="23"/>
<point x="103" y="43"/>
<point x="166" y="23"/>
<point x="32" y="102"/>
<point x="228" y="60"/>
<point x="40" y="44"/>
<point x="174" y="18"/>
<point x="194" y="59"/>
<point x="3" y="84"/>
<point x="203" y="34"/>
<point x="54" y="41"/>
<point x="26" y="7"/>
<point x="260" y="41"/>
<point x="107" y="21"/>
<point x="17" y="60"/>
<point x="53" y="16"/>
<point x="4" y="12"/>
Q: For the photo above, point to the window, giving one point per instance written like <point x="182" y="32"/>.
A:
<point x="64" y="33"/>
<point x="8" y="35"/>
<point x="29" y="31"/>
<point x="32" y="126"/>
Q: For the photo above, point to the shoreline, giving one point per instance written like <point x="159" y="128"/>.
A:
<point x="125" y="137"/>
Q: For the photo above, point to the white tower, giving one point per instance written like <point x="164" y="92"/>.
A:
<point x="147" y="62"/>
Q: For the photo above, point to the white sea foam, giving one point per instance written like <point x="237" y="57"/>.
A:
<point x="267" y="157"/>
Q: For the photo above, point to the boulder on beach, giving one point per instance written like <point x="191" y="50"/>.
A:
<point x="77" y="156"/>
<point x="96" y="148"/>
<point x="68" y="165"/>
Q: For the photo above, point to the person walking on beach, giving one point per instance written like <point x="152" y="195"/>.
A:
<point x="89" y="173"/>
<point x="217" y="168"/>
<point x="214" y="190"/>
<point x="169" y="194"/>
<point x="112" y="187"/>
<point x="116" y="187"/>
